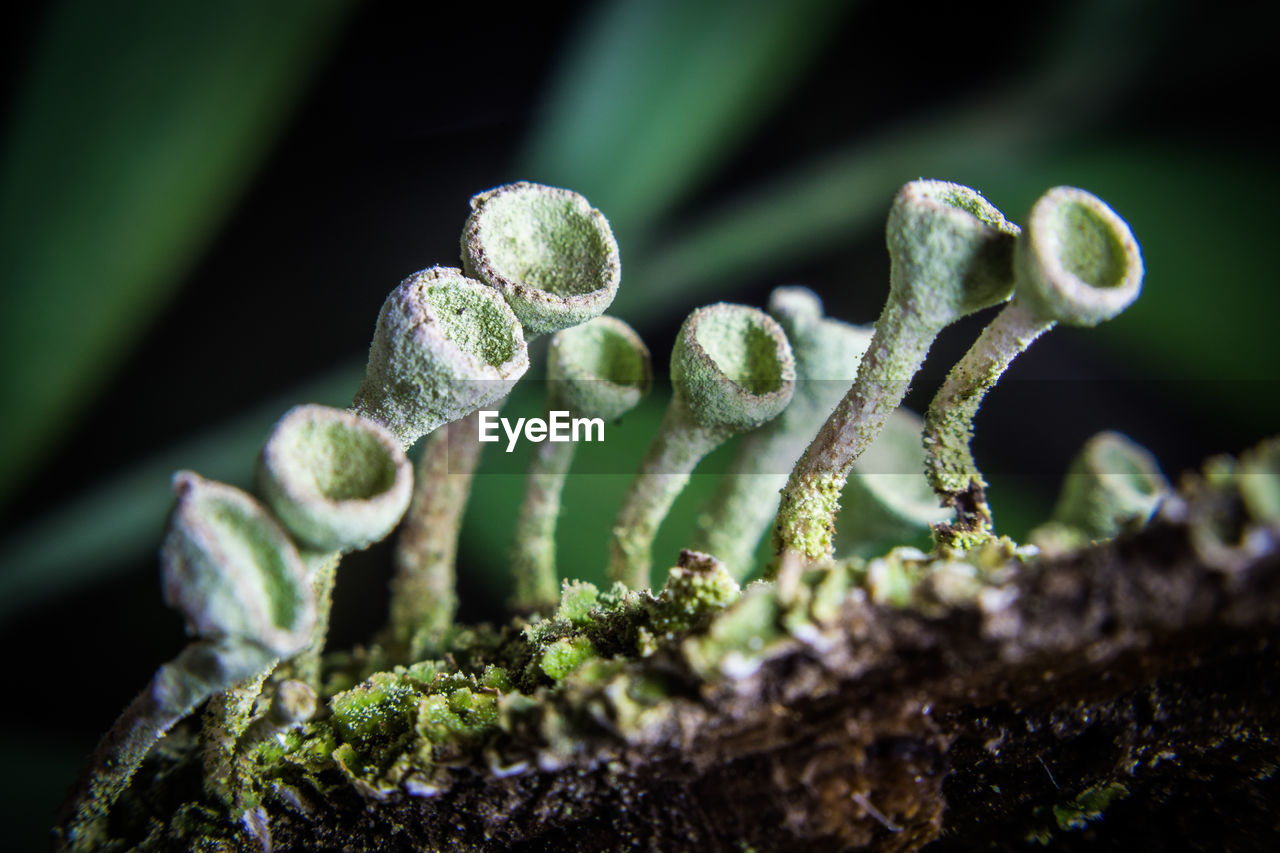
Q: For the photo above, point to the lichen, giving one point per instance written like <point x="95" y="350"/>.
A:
<point x="598" y="682"/>
<point x="565" y="655"/>
<point x="1088" y="806"/>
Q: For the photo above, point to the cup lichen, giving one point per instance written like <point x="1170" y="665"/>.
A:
<point x="444" y="346"/>
<point x="555" y="261"/>
<point x="826" y="354"/>
<point x="731" y="370"/>
<point x="337" y="480"/>
<point x="549" y="253"/>
<point x="1112" y="484"/>
<point x="600" y="370"/>
<point x="1076" y="263"/>
<point x="253" y="580"/>
<point x="951" y="253"/>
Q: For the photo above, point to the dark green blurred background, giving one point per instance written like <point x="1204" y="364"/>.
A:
<point x="202" y="207"/>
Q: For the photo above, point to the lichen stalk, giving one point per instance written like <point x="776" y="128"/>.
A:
<point x="423" y="590"/>
<point x="948" y="431"/>
<point x="732" y="370"/>
<point x="600" y="369"/>
<point x="681" y="443"/>
<point x="805" y="527"/>
<point x="827" y="352"/>
<point x="951" y="253"/>
<point x="1077" y="263"/>
<point x="533" y="557"/>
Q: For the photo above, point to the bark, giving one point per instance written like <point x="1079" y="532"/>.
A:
<point x="1126" y="694"/>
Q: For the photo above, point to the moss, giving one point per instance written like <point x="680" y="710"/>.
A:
<point x="460" y="715"/>
<point x="696" y="588"/>
<point x="381" y="708"/>
<point x="739" y="638"/>
<point x="577" y="600"/>
<point x="565" y="655"/>
<point x="1088" y="805"/>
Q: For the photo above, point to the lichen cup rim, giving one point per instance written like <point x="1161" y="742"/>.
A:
<point x="539" y="309"/>
<point x="1128" y="465"/>
<point x="717" y="399"/>
<point x="311" y="513"/>
<point x="605" y="397"/>
<point x="987" y="239"/>
<point x="957" y="201"/>
<point x="1059" y="293"/>
<point x="477" y="367"/>
<point x="244" y="608"/>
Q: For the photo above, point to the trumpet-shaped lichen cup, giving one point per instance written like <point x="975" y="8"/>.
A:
<point x="444" y="346"/>
<point x="732" y="370"/>
<point x="549" y="253"/>
<point x="337" y="480"/>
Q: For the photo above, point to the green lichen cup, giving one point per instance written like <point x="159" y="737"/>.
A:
<point x="549" y="253"/>
<point x="600" y="369"/>
<point x="232" y="571"/>
<point x="444" y="346"/>
<point x="733" y="367"/>
<point x="337" y="480"/>
<point x="1077" y="261"/>
<point x="732" y="370"/>
<point x="951" y="251"/>
<point x="1113" y="483"/>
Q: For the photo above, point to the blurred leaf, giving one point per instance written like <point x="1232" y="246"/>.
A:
<point x="654" y="93"/>
<point x="97" y="533"/>
<point x="138" y="126"/>
<point x="600" y="477"/>
<point x="999" y="144"/>
<point x="1204" y="223"/>
<point x="1093" y="61"/>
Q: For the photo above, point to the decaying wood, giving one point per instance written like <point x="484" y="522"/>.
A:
<point x="1135" y="668"/>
